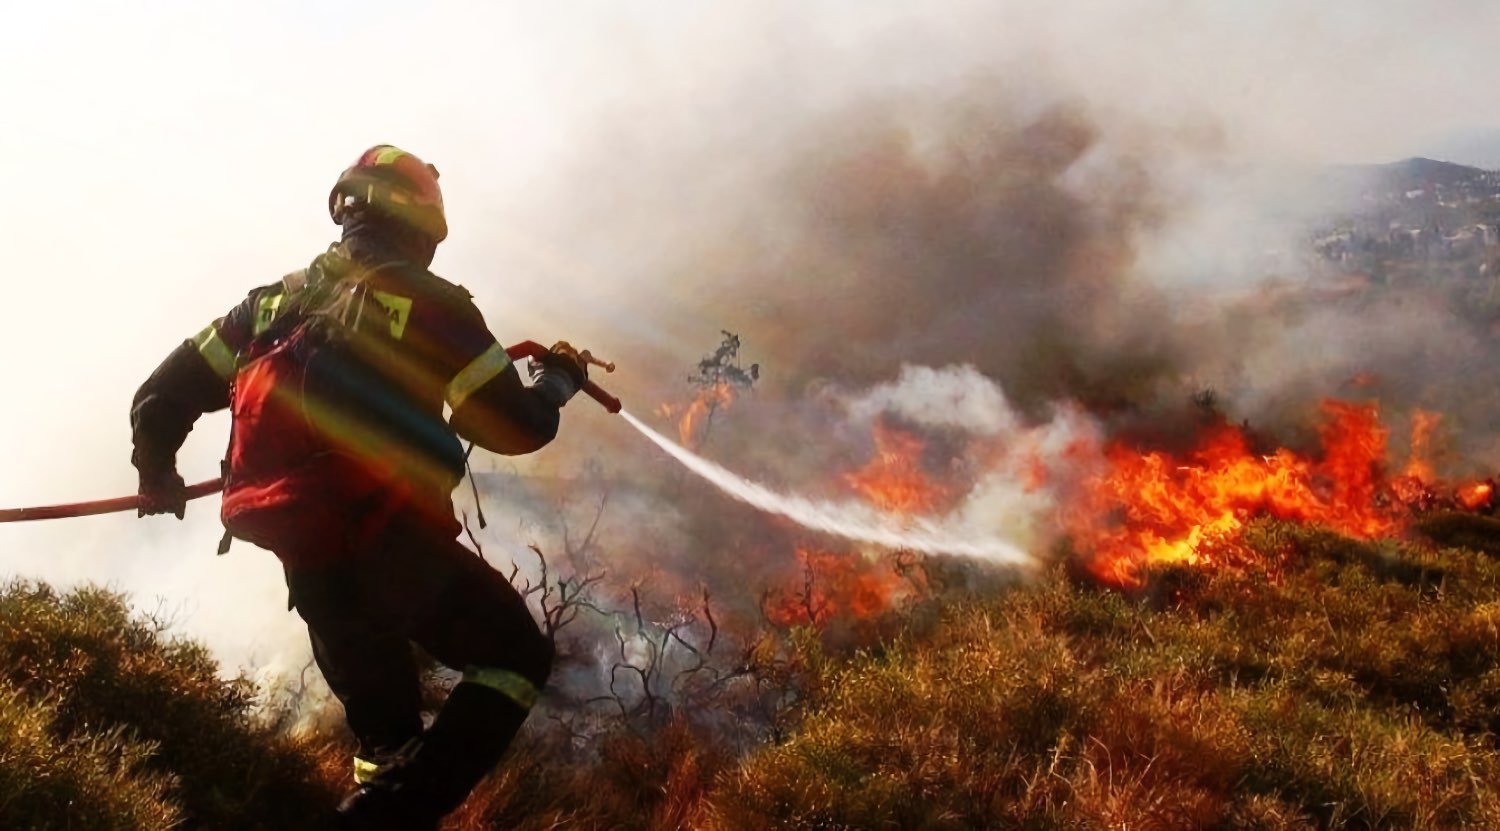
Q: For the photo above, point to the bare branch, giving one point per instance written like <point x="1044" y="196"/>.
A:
<point x="478" y="549"/>
<point x="713" y="625"/>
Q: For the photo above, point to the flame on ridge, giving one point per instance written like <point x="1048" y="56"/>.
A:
<point x="1150" y="508"/>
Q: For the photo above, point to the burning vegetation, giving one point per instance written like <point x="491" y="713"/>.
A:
<point x="893" y="480"/>
<point x="1215" y="625"/>
<point x="1155" y="508"/>
<point x="1221" y="632"/>
<point x="719" y="380"/>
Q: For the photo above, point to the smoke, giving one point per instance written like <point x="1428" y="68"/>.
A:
<point x="958" y="397"/>
<point x="968" y="229"/>
<point x="904" y="209"/>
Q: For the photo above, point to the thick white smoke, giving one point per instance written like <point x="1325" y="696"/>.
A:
<point x="957" y="397"/>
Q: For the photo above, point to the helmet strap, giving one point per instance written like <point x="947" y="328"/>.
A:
<point x="371" y="237"/>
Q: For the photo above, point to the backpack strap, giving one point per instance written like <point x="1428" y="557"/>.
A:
<point x="295" y="282"/>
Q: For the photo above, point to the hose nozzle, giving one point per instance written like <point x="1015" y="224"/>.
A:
<point x="588" y="358"/>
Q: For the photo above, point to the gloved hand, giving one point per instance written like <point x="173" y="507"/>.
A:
<point x="162" y="492"/>
<point x="561" y="375"/>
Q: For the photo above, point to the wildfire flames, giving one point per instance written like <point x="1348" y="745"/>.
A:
<point x="692" y="418"/>
<point x="833" y="585"/>
<point x="1151" y="508"/>
<point x="1476" y="496"/>
<point x="1133" y="509"/>
<point x="893" y="480"/>
<point x="1146" y="508"/>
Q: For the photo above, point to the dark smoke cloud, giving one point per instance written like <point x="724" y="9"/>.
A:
<point x="970" y="224"/>
<point x="1406" y="348"/>
<point x="964" y="226"/>
<point x="968" y="250"/>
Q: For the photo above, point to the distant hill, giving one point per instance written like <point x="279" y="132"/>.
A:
<point x="1419" y="172"/>
<point x="1351" y="184"/>
<point x="1477" y="147"/>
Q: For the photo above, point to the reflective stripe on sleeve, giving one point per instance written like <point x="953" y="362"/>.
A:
<point x="507" y="683"/>
<point x="364" y="770"/>
<point x="490" y="363"/>
<point x="214" y="350"/>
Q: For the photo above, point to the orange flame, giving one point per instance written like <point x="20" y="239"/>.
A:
<point x="893" y="479"/>
<point x="1150" y="508"/>
<point x="709" y="400"/>
<point x="1424" y="429"/>
<point x="1476" y="496"/>
<point x="834" y="585"/>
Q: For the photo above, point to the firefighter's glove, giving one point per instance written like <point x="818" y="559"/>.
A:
<point x="561" y="375"/>
<point x="162" y="493"/>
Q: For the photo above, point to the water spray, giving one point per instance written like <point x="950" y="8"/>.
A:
<point x="851" y="520"/>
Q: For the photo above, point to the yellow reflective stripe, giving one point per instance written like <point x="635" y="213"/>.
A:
<point x="214" y="350"/>
<point x="397" y="310"/>
<point x="389" y="154"/>
<point x="364" y="770"/>
<point x="478" y="373"/>
<point x="507" y="683"/>
<point x="266" y="311"/>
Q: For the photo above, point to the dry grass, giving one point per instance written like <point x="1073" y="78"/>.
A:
<point x="147" y="724"/>
<point x="1336" y="685"/>
<point x="1331" y="684"/>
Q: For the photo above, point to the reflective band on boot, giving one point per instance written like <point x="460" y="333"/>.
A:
<point x="507" y="683"/>
<point x="365" y="770"/>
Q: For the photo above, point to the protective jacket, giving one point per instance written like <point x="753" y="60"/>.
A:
<point x="339" y="376"/>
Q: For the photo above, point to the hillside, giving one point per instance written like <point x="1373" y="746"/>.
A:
<point x="1419" y="172"/>
<point x="1477" y="146"/>
<point x="1323" y="683"/>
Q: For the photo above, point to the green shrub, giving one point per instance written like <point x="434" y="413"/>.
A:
<point x="97" y="781"/>
<point x="111" y="679"/>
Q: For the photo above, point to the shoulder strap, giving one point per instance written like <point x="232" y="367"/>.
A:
<point x="295" y="282"/>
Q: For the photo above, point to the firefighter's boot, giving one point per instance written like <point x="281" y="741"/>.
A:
<point x="471" y="733"/>
<point x="375" y="807"/>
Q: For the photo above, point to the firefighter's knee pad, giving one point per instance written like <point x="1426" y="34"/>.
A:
<point x="520" y="672"/>
<point x="516" y="687"/>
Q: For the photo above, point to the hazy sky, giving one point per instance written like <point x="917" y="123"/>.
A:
<point x="159" y="159"/>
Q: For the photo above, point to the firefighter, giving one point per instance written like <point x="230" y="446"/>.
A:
<point x="342" y="463"/>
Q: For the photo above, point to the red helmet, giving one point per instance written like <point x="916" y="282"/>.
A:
<point x="395" y="183"/>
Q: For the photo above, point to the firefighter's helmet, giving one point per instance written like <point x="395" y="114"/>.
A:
<point x="393" y="182"/>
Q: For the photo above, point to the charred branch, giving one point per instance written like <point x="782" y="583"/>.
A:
<point x="560" y="599"/>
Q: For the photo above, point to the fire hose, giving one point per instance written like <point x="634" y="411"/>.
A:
<point x="524" y="349"/>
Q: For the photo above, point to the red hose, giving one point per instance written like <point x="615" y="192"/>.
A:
<point x="99" y="506"/>
<point x="524" y="349"/>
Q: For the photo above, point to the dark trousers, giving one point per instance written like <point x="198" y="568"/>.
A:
<point x="412" y="583"/>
